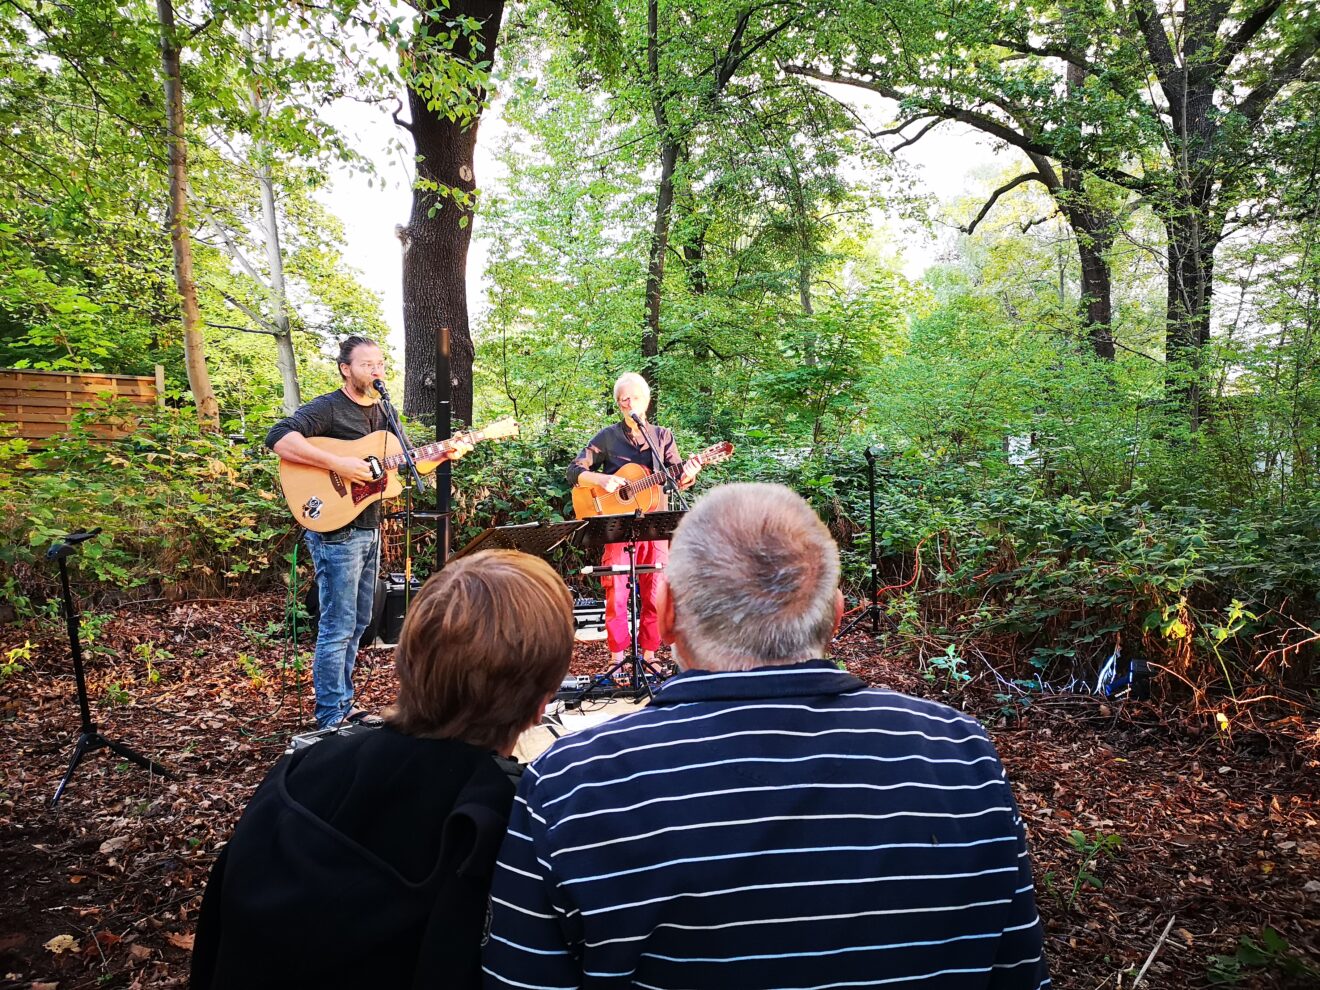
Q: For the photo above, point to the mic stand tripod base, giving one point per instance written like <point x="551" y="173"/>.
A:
<point x="89" y="741"/>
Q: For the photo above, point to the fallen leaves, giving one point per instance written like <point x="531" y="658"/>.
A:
<point x="180" y="940"/>
<point x="61" y="944"/>
<point x="1229" y="852"/>
<point x="111" y="846"/>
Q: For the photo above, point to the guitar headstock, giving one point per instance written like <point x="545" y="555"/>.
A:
<point x="716" y="453"/>
<point x="500" y="429"/>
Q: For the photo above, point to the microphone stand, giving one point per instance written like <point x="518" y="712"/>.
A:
<point x="671" y="483"/>
<point x="872" y="610"/>
<point x="89" y="739"/>
<point x="392" y="421"/>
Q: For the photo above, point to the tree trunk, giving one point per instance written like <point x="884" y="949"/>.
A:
<point x="1094" y="232"/>
<point x="284" y="357"/>
<point x="285" y="360"/>
<point x="1193" y="230"/>
<point x="664" y="200"/>
<point x="655" y="269"/>
<point x="1187" y="331"/>
<point x="194" y="345"/>
<point x="439" y="231"/>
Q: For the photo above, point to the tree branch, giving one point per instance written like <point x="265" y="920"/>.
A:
<point x="1068" y="55"/>
<point x="908" y="142"/>
<point x="1162" y="56"/>
<point x="980" y="121"/>
<point x="1295" y="64"/>
<point x="399" y="120"/>
<point x="994" y="198"/>
<point x="1248" y="29"/>
<point x="249" y="312"/>
<point x="230" y="326"/>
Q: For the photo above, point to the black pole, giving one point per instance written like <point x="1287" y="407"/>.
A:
<point x="873" y="606"/>
<point x="875" y="563"/>
<point x="444" y="388"/>
<point x="71" y="617"/>
<point x="89" y="739"/>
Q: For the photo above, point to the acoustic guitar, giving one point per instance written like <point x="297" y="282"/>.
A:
<point x="321" y="500"/>
<point x="644" y="489"/>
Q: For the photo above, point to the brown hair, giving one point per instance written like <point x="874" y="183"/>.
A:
<point x="346" y="348"/>
<point x="485" y="641"/>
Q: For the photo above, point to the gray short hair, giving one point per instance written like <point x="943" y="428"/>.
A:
<point x="753" y="574"/>
<point x="631" y="378"/>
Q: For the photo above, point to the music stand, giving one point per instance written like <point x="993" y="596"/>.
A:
<point x="631" y="529"/>
<point x="537" y="538"/>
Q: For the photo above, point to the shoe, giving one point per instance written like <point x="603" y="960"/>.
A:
<point x="360" y="716"/>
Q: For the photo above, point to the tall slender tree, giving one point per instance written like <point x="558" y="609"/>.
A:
<point x="194" y="344"/>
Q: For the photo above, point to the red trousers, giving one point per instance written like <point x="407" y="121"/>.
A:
<point x="616" y="595"/>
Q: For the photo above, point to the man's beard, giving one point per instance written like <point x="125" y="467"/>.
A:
<point x="361" y="386"/>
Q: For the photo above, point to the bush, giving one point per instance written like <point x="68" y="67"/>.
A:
<point x="181" y="512"/>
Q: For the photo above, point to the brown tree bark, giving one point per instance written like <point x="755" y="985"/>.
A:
<point x="664" y="201"/>
<point x="439" y="231"/>
<point x="194" y="344"/>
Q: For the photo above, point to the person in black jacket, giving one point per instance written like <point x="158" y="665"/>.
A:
<point x="365" y="860"/>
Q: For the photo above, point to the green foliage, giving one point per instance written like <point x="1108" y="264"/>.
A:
<point x="1092" y="849"/>
<point x="947" y="665"/>
<point x="181" y="512"/>
<point x="1272" y="952"/>
<point x="116" y="695"/>
<point x="150" y="654"/>
<point x="11" y="664"/>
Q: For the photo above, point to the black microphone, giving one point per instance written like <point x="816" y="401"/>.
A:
<point x="63" y="546"/>
<point x="636" y="419"/>
<point x="379" y="385"/>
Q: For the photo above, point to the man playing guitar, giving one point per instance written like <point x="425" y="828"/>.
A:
<point x="346" y="559"/>
<point x="618" y="444"/>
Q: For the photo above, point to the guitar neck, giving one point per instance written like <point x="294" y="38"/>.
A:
<point x="657" y="478"/>
<point x="432" y="450"/>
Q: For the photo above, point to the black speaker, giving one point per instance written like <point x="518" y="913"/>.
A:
<point x="397" y="597"/>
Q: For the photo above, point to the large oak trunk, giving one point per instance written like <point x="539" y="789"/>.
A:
<point x="439" y="231"/>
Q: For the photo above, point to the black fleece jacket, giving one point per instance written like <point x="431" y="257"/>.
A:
<point x="362" y="861"/>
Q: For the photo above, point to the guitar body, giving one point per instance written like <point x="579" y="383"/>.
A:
<point x="590" y="501"/>
<point x="322" y="501"/>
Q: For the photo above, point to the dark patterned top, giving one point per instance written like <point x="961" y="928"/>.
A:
<point x="613" y="447"/>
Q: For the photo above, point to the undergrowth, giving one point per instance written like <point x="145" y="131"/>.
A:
<point x="975" y="559"/>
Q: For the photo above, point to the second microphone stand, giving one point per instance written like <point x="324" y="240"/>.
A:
<point x="872" y="610"/>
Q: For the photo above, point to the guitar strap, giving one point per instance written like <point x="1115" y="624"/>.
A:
<point x="649" y="433"/>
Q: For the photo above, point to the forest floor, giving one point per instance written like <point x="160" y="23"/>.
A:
<point x="1136" y="816"/>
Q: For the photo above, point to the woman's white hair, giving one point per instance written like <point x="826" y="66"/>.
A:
<point x="631" y="378"/>
<point x="753" y="574"/>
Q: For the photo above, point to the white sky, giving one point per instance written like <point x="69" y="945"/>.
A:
<point x="945" y="159"/>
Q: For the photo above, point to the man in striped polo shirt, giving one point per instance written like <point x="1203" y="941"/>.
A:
<point x="768" y="821"/>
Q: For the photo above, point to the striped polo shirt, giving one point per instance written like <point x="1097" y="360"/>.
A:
<point x="785" y="827"/>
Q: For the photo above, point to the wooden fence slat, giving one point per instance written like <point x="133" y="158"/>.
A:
<point x="143" y="387"/>
<point x="40" y="404"/>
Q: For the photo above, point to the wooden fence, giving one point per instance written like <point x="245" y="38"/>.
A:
<point x="39" y="404"/>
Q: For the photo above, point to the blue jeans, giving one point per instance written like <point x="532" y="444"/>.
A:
<point x="346" y="564"/>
